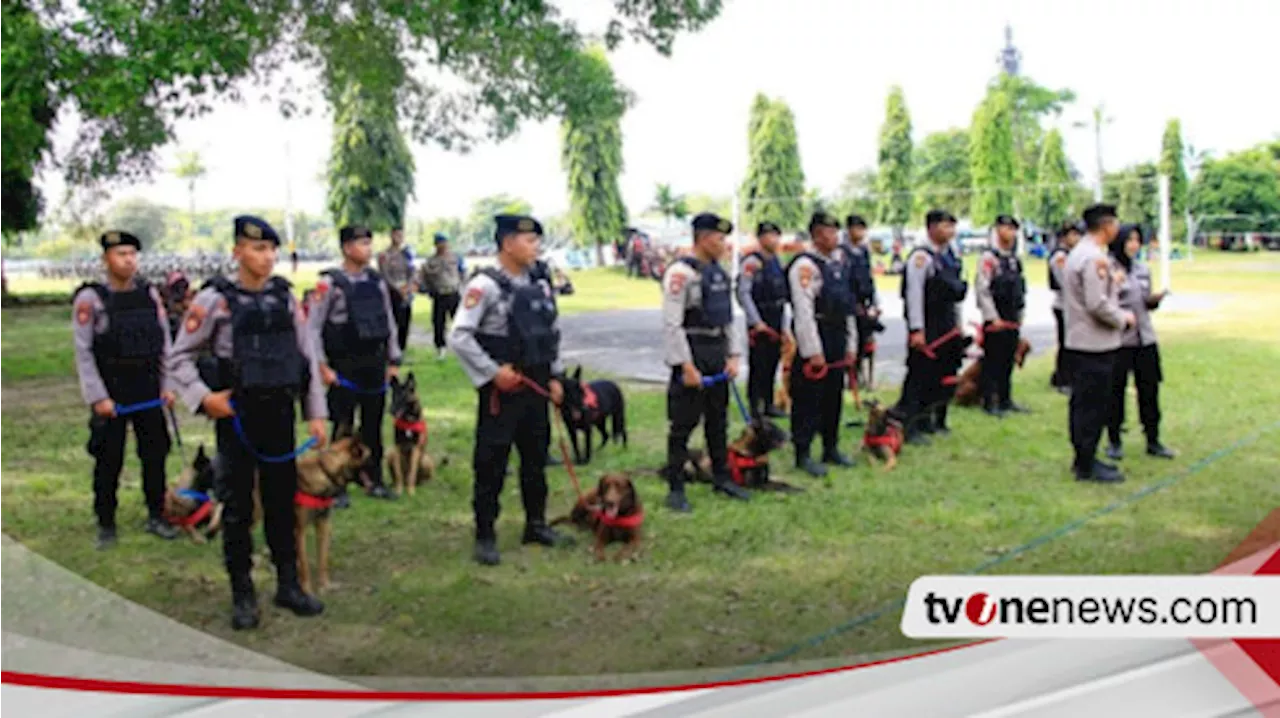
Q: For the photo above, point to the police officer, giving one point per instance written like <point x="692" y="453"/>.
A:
<point x="1095" y="327"/>
<point x="699" y="341"/>
<point x="121" y="336"/>
<point x="507" y="339"/>
<point x="396" y="265"/>
<point x="932" y="290"/>
<point x="254" y="327"/>
<point x="351" y="323"/>
<point x="441" y="278"/>
<point x="1068" y="235"/>
<point x="1001" y="293"/>
<point x="823" y="306"/>
<point x="762" y="292"/>
<point x="863" y="284"/>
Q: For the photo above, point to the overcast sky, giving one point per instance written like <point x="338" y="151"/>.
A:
<point x="1212" y="64"/>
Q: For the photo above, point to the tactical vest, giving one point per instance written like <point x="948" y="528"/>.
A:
<point x="532" y="342"/>
<point x="362" y="340"/>
<point x="264" y="354"/>
<point x="716" y="309"/>
<point x="770" y="290"/>
<point x="129" y="353"/>
<point x="1009" y="288"/>
<point x="860" y="278"/>
<point x="942" y="292"/>
<point x="833" y="305"/>
<point x="1054" y="284"/>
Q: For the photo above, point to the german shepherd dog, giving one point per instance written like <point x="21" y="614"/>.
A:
<point x="409" y="463"/>
<point x="883" y="436"/>
<point x="748" y="457"/>
<point x="184" y="503"/>
<point x="612" y="512"/>
<point x="595" y="405"/>
<point x="969" y="386"/>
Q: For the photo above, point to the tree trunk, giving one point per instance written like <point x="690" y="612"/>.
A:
<point x="600" y="252"/>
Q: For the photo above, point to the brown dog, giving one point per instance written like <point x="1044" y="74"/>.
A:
<point x="882" y="439"/>
<point x="191" y="505"/>
<point x="612" y="512"/>
<point x="969" y="386"/>
<point x="410" y="463"/>
<point x="782" y="394"/>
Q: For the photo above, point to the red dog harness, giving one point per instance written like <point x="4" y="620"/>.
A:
<point x="414" y="427"/>
<point x="307" y="501"/>
<point x="738" y="462"/>
<point x="619" y="522"/>
<point x="196" y="517"/>
<point x="891" y="438"/>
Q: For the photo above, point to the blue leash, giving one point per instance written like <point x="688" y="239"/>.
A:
<point x="126" y="409"/>
<point x="349" y="385"/>
<point x="306" y="445"/>
<point x="709" y="381"/>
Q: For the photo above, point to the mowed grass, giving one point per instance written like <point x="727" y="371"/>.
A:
<point x="731" y="584"/>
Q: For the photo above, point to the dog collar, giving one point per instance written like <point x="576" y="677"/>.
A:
<point x="620" y="522"/>
<point x="307" y="501"/>
<point x="891" y="437"/>
<point x="419" y="426"/>
<point x="196" y="517"/>
<point x="739" y="461"/>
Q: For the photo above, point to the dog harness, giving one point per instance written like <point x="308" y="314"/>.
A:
<point x="200" y="514"/>
<point x="413" y="427"/>
<point x="619" y="522"/>
<point x="891" y="438"/>
<point x="307" y="501"/>
<point x="738" y="462"/>
<point x="590" y="401"/>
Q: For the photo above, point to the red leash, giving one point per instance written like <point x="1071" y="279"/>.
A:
<point x="196" y="517"/>
<point x="930" y="349"/>
<point x="767" y="331"/>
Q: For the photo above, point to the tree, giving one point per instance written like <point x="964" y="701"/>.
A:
<point x="1240" y="192"/>
<point x="1053" y="197"/>
<point x="1137" y="194"/>
<point x="857" y="195"/>
<point x="669" y="204"/>
<point x="774" y="186"/>
<point x="143" y="218"/>
<point x="370" y="168"/>
<point x="895" y="169"/>
<point x="460" y="72"/>
<point x="1029" y="102"/>
<point x="191" y="169"/>
<point x="28" y="118"/>
<point x="1171" y="154"/>
<point x="591" y="156"/>
<point x="991" y="159"/>
<point x="942" y="176"/>
<point x="478" y="229"/>
<point x="719" y="205"/>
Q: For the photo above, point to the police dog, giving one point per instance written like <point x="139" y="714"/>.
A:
<point x="612" y="512"/>
<point x="185" y="502"/>
<point x="969" y="384"/>
<point x="748" y="457"/>
<point x="595" y="405"/>
<point x="409" y="463"/>
<point x="782" y="394"/>
<point x="883" y="436"/>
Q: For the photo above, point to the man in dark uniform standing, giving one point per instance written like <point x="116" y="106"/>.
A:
<point x="396" y="265"/>
<point x="352" y="326"/>
<point x="699" y="341"/>
<point x="121" y="337"/>
<point x="1001" y="293"/>
<point x="254" y="328"/>
<point x="932" y="290"/>
<point x="762" y="292"/>
<point x="507" y="338"/>
<point x="1068" y="236"/>
<point x="863" y="284"/>
<point x="823" y="307"/>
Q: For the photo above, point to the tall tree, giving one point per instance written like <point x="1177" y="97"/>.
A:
<point x="1137" y="195"/>
<point x="942" y="176"/>
<point x="1029" y="104"/>
<point x="28" y="112"/>
<point x="774" y="186"/>
<point x="191" y="169"/>
<point x="1053" y="195"/>
<point x="591" y="156"/>
<point x="895" y="169"/>
<point x="370" y="168"/>
<point x="991" y="159"/>
<point x="671" y="206"/>
<point x="857" y="195"/>
<point x="1239" y="193"/>
<point x="1171" y="154"/>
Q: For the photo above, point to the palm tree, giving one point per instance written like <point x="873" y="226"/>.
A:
<point x="190" y="168"/>
<point x="669" y="204"/>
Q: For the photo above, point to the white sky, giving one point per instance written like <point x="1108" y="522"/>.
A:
<point x="1212" y="64"/>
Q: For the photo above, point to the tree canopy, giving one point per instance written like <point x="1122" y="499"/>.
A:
<point x="370" y="168"/>
<point x="1053" y="199"/>
<point x="991" y="158"/>
<point x="591" y="156"/>
<point x="1240" y="192"/>
<point x="774" y="187"/>
<point x="942" y="176"/>
<point x="895" y="168"/>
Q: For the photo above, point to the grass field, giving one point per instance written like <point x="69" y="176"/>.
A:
<point x="731" y="584"/>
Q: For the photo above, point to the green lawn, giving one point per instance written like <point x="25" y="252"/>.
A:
<point x="731" y="583"/>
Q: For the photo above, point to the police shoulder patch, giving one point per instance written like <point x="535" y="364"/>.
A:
<point x="920" y="260"/>
<point x="677" y="282"/>
<point x="472" y="297"/>
<point x="1102" y="268"/>
<point x="749" y="268"/>
<point x="1061" y="261"/>
<point x="806" y="275"/>
<point x="84" y="312"/>
<point x="988" y="264"/>
<point x="192" y="323"/>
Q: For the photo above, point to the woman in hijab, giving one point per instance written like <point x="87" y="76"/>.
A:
<point x="1139" y="352"/>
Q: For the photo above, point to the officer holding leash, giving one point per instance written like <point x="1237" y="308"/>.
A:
<point x="121" y="337"/>
<point x="265" y="364"/>
<point x="1001" y="292"/>
<point x="824" y="308"/>
<point x="700" y="343"/>
<point x="352" y="326"/>
<point x="863" y="283"/>
<point x="762" y="292"/>
<point x="1068" y="235"/>
<point x="507" y="338"/>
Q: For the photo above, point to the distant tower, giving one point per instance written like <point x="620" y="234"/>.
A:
<point x="1009" y="57"/>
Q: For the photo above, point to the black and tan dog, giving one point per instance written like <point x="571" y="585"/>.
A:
<point x="882" y="439"/>
<point x="595" y="405"/>
<point x="612" y="512"/>
<point x="409" y="463"/>
<point x="748" y="460"/>
<point x="969" y="383"/>
<point x="192" y="504"/>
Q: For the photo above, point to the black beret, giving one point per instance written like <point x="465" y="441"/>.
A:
<point x="937" y="216"/>
<point x="1007" y="221"/>
<point x="351" y="233"/>
<point x="441" y="238"/>
<point x="855" y="220"/>
<point x="251" y="227"/>
<point x="708" y="221"/>
<point x="119" y="239"/>
<point x="1098" y="212"/>
<point x="767" y="227"/>
<point x="823" y="219"/>
<point x="514" y="224"/>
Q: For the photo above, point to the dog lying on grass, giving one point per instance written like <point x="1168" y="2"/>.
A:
<point x="612" y="512"/>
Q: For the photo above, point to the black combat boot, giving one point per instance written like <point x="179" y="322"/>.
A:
<point x="157" y="526"/>
<point x="677" y="501"/>
<point x="244" y="603"/>
<point x="291" y="596"/>
<point x="540" y="533"/>
<point x="106" y="537"/>
<point x="805" y="463"/>
<point x="725" y="485"/>
<point x="835" y="458"/>
<point x="486" y="552"/>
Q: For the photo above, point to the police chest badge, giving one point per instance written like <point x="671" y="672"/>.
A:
<point x="473" y="297"/>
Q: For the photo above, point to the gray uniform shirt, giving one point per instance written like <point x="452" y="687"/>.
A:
<point x="682" y="289"/>
<point x="1058" y="268"/>
<point x="805" y="279"/>
<point x="751" y="266"/>
<point x="397" y="268"/>
<point x="441" y="274"/>
<point x="1094" y="320"/>
<point x="329" y="304"/>
<point x="90" y="321"/>
<point x="917" y="272"/>
<point x="1137" y="297"/>
<point x="207" y="326"/>
<point x="484" y="311"/>
<point x="988" y="270"/>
